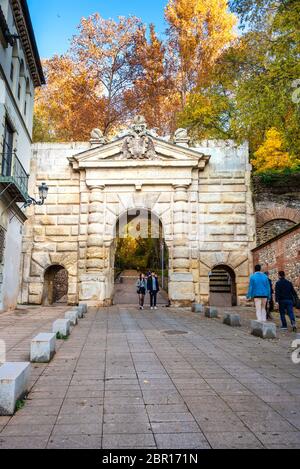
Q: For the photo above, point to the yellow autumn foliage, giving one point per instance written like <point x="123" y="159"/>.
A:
<point x="271" y="155"/>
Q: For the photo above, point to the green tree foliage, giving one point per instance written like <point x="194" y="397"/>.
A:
<point x="139" y="254"/>
<point x="255" y="84"/>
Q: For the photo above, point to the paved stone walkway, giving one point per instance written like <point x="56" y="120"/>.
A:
<point x="122" y="380"/>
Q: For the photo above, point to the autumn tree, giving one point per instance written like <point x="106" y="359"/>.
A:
<point x="153" y="94"/>
<point x="199" y="30"/>
<point x="70" y="105"/>
<point x="271" y="155"/>
<point x="86" y="86"/>
<point x="253" y="85"/>
<point x="105" y="49"/>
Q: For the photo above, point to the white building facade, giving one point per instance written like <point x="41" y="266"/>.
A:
<point x="20" y="73"/>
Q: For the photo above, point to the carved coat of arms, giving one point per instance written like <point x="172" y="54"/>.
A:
<point x="138" y="145"/>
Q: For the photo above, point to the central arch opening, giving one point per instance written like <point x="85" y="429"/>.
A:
<point x="139" y="248"/>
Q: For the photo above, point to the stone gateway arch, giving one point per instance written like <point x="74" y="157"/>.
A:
<point x="200" y="194"/>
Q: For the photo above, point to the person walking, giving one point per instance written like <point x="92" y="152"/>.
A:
<point x="270" y="302"/>
<point x="260" y="291"/>
<point x="153" y="288"/>
<point x="285" y="296"/>
<point x="141" y="286"/>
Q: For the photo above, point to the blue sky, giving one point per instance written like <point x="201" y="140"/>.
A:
<point x="55" y="21"/>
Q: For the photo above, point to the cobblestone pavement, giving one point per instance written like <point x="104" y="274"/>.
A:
<point x="153" y="379"/>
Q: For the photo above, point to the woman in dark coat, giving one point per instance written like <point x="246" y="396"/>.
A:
<point x="141" y="286"/>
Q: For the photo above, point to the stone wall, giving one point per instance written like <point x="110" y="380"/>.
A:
<point x="277" y="205"/>
<point x="202" y="195"/>
<point x="281" y="253"/>
<point x="52" y="231"/>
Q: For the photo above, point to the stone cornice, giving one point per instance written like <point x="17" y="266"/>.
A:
<point x="168" y="154"/>
<point x="26" y="33"/>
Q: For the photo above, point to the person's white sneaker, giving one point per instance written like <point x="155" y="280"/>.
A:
<point x="155" y="307"/>
<point x="152" y="307"/>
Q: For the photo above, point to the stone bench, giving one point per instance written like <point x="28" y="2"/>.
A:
<point x="72" y="316"/>
<point x="264" y="330"/>
<point x="62" y="327"/>
<point x="211" y="313"/>
<point x="14" y="382"/>
<point x="232" y="319"/>
<point x="198" y="308"/>
<point x="42" y="348"/>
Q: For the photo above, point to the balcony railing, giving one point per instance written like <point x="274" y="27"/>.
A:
<point x="14" y="177"/>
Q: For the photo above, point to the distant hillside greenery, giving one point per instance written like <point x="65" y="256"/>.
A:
<point x="225" y="69"/>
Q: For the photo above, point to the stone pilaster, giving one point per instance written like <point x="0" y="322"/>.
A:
<point x="181" y="286"/>
<point x="95" y="239"/>
<point x="180" y="229"/>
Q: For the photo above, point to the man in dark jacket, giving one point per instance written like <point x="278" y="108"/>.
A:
<point x="285" y="296"/>
<point x="153" y="288"/>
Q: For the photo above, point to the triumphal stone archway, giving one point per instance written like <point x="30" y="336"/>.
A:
<point x="200" y="194"/>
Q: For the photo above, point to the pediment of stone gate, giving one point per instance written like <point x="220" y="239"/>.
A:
<point x="138" y="147"/>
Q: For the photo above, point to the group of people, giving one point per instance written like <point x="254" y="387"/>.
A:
<point x="148" y="283"/>
<point x="261" y="290"/>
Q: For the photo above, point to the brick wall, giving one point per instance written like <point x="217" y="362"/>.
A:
<point x="281" y="253"/>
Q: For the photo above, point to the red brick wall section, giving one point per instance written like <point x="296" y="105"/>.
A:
<point x="283" y="253"/>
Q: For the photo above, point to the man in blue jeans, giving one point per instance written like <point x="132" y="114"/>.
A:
<point x="285" y="296"/>
<point x="153" y="288"/>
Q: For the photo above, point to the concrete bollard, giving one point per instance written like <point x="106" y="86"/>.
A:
<point x="77" y="311"/>
<point x="264" y="330"/>
<point x="62" y="327"/>
<point x="198" y="308"/>
<point x="72" y="316"/>
<point x="232" y="319"/>
<point x="14" y="382"/>
<point x="42" y="348"/>
<point x="81" y="311"/>
<point x="211" y="312"/>
<point x="84" y="307"/>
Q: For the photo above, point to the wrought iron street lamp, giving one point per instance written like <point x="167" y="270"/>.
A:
<point x="43" y="194"/>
